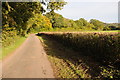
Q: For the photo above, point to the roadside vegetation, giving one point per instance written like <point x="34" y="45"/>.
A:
<point x="61" y="59"/>
<point x="98" y="50"/>
<point x="91" y="48"/>
<point x="11" y="48"/>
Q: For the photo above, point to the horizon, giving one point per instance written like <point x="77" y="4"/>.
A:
<point x="106" y="12"/>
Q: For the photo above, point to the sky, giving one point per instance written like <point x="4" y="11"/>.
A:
<point x="103" y="10"/>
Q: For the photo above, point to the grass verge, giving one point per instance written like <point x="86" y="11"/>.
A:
<point x="64" y="60"/>
<point x="72" y="64"/>
<point x="5" y="51"/>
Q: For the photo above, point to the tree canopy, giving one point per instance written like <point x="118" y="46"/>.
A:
<point x="55" y="5"/>
<point x="98" y="24"/>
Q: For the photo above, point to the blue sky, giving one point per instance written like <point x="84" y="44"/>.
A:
<point x="104" y="10"/>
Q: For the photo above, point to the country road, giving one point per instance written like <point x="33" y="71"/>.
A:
<point x="28" y="61"/>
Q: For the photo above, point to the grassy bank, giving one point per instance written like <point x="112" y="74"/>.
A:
<point x="5" y="51"/>
<point x="62" y="61"/>
<point x="97" y="54"/>
<point x="98" y="45"/>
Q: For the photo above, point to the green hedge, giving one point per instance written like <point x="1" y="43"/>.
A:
<point x="102" y="46"/>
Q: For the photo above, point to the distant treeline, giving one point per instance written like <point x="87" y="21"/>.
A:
<point x="58" y="21"/>
<point x="113" y="26"/>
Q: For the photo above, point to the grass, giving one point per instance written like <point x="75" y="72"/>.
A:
<point x="72" y="64"/>
<point x="5" y="51"/>
<point x="64" y="60"/>
<point x="77" y="30"/>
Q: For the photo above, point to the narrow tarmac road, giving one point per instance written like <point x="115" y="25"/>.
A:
<point x="28" y="61"/>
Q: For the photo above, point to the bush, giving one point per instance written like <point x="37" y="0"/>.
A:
<point x="103" y="47"/>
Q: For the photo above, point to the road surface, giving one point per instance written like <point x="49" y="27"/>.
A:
<point x="28" y="61"/>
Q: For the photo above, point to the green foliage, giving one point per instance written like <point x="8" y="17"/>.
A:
<point x="16" y="14"/>
<point x="15" y="17"/>
<point x="83" y="24"/>
<point x="55" y="5"/>
<point x="6" y="50"/>
<point x="39" y="23"/>
<point x="112" y="26"/>
<point x="98" y="24"/>
<point x="106" y="28"/>
<point x="57" y="20"/>
<point x="8" y="38"/>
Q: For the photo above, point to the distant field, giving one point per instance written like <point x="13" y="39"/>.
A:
<point x="75" y="30"/>
<point x="101" y="32"/>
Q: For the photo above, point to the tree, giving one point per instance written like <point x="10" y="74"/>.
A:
<point x="83" y="24"/>
<point x="20" y="13"/>
<point x="14" y="19"/>
<point x="57" y="20"/>
<point x="39" y="23"/>
<point x="98" y="24"/>
<point x="55" y="5"/>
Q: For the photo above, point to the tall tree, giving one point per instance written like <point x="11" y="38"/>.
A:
<point x="98" y="24"/>
<point x="55" y="18"/>
<point x="20" y="13"/>
<point x="55" y="5"/>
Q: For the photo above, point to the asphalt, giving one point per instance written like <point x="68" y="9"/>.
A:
<point x="28" y="61"/>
